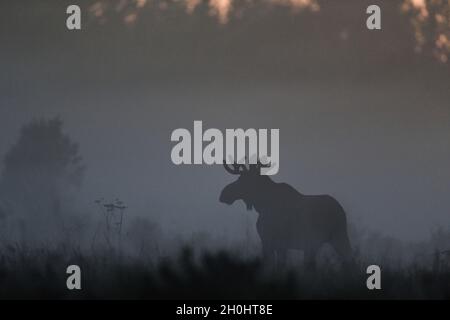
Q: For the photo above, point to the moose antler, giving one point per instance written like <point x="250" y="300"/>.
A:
<point x="236" y="168"/>
<point x="256" y="168"/>
<point x="262" y="165"/>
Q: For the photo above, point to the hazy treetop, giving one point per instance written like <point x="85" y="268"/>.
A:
<point x="43" y="147"/>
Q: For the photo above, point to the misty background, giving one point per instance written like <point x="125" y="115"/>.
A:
<point x="363" y="115"/>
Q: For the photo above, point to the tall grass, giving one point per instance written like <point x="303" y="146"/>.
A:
<point x="41" y="274"/>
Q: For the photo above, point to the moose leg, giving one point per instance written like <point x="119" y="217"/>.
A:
<point x="281" y="259"/>
<point x="344" y="250"/>
<point x="310" y="259"/>
<point x="268" y="254"/>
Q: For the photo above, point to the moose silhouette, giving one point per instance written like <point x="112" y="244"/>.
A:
<point x="288" y="219"/>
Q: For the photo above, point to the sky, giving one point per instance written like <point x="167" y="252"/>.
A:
<point x="363" y="115"/>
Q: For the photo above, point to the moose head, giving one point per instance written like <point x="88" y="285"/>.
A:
<point x="248" y="184"/>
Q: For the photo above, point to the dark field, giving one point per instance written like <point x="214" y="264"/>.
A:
<point x="40" y="274"/>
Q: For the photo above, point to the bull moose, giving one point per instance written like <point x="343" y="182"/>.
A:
<point x="288" y="219"/>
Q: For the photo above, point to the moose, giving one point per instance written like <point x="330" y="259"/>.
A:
<point x="288" y="219"/>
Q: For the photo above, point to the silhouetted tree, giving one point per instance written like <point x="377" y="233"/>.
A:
<point x="38" y="171"/>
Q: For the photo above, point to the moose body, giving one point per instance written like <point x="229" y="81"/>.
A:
<point x="288" y="219"/>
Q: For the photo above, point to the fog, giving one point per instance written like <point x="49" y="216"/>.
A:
<point x="362" y="115"/>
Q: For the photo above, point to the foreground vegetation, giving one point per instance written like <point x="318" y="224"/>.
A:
<point x="41" y="274"/>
